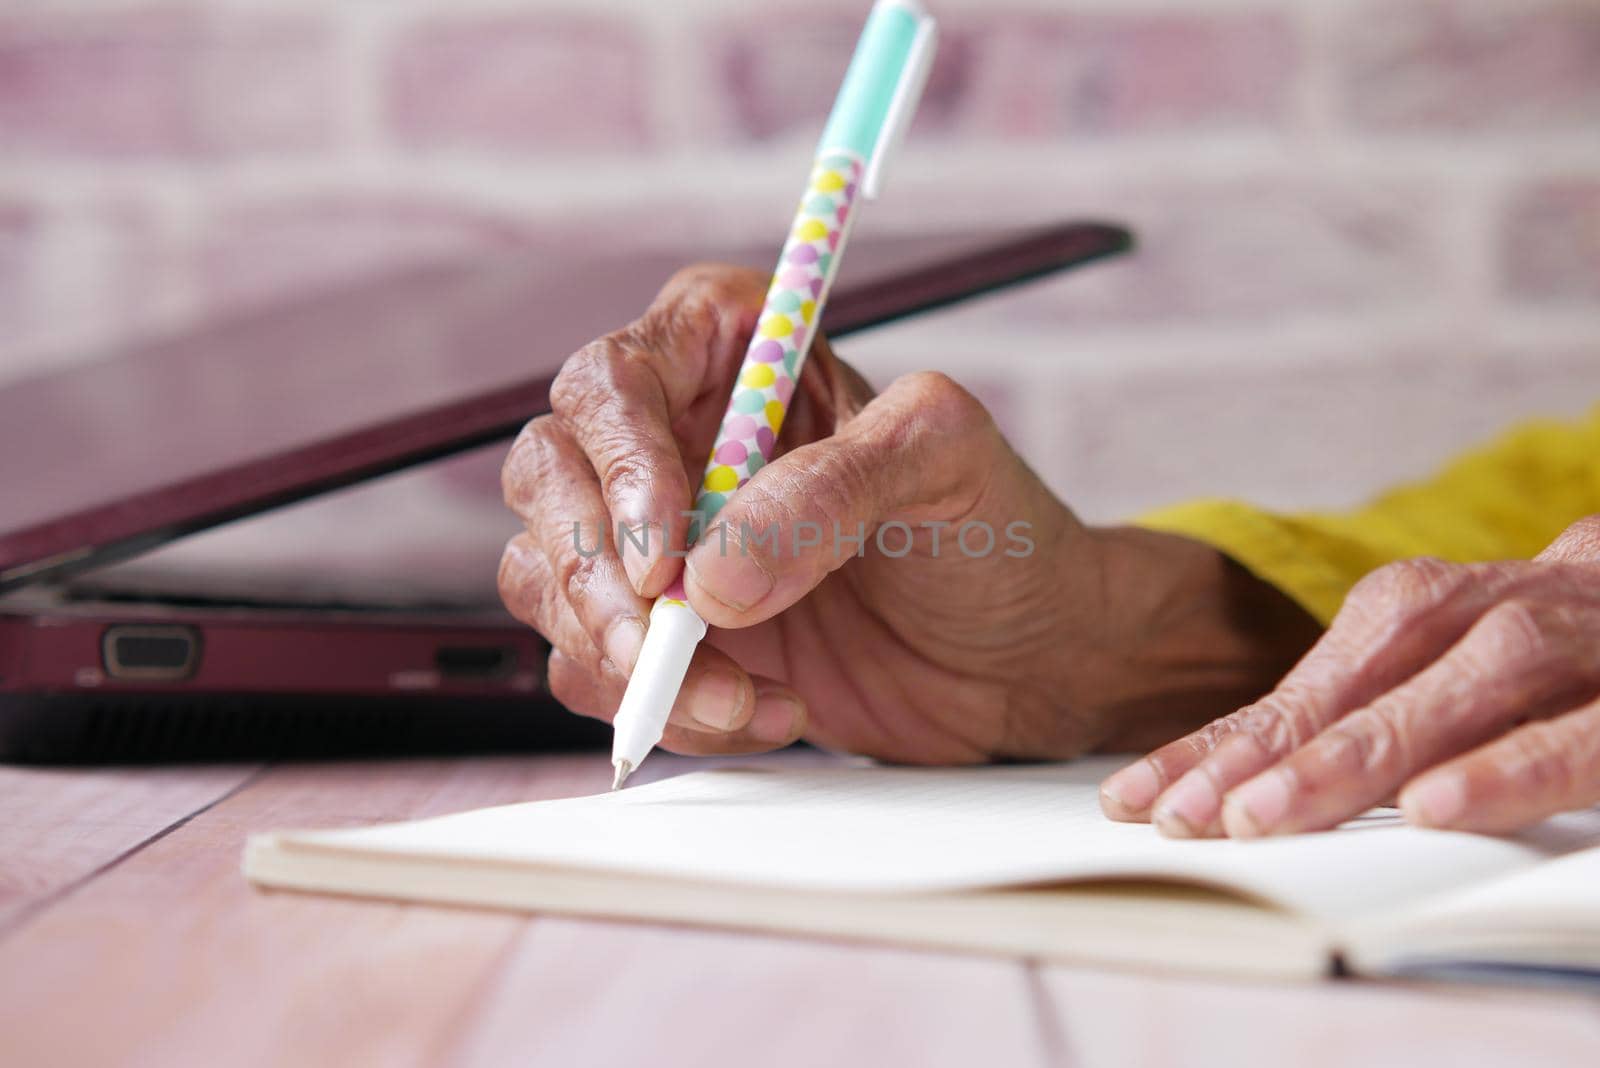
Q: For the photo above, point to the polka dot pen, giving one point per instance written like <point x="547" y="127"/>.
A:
<point x="874" y="106"/>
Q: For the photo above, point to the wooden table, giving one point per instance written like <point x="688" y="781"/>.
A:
<point x="128" y="936"/>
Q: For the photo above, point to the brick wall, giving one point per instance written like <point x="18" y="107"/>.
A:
<point x="1370" y="228"/>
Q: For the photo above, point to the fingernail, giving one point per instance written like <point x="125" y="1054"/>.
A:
<point x="716" y="700"/>
<point x="730" y="577"/>
<point x="623" y="642"/>
<point x="1189" y="808"/>
<point x="1436" y="800"/>
<point x="637" y="565"/>
<point x="639" y="545"/>
<point x="1258" y="807"/>
<point x="1133" y="788"/>
<point x="778" y="718"/>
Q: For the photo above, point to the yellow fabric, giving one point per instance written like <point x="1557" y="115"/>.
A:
<point x="1504" y="501"/>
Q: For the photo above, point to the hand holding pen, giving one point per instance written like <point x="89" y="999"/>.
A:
<point x="875" y="104"/>
<point x="891" y="655"/>
<point x="916" y="654"/>
<point x="898" y="639"/>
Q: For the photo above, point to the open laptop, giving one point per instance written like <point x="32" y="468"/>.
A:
<point x="363" y="623"/>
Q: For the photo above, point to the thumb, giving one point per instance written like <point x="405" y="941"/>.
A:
<point x="924" y="441"/>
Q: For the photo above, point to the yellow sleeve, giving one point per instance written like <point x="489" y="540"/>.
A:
<point x="1503" y="501"/>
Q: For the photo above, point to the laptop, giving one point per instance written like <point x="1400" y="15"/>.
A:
<point x="169" y="589"/>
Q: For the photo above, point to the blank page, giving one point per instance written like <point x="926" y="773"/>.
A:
<point x="885" y="830"/>
<point x="1558" y="896"/>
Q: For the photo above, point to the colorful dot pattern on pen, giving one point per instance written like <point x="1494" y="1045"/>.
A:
<point x="783" y="334"/>
<point x="674" y="594"/>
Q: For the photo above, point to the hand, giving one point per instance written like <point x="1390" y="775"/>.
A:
<point x="1469" y="689"/>
<point x="1052" y="640"/>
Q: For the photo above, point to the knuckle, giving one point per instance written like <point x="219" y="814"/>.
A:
<point x="1373" y="586"/>
<point x="1515" y="629"/>
<point x="844" y="487"/>
<point x="1386" y="733"/>
<point x="829" y="484"/>
<point x="508" y="580"/>
<point x="946" y="407"/>
<point x="933" y="419"/>
<point x="690" y="277"/>
<point x="593" y="393"/>
<point x="1273" y="726"/>
<point x="1202" y="742"/>
<point x="524" y="595"/>
<point x="1554" y="637"/>
<point x="526" y="463"/>
<point x="1417" y="581"/>
<point x="575" y="574"/>
<point x="587" y="378"/>
<point x="716" y="286"/>
<point x="701" y="299"/>
<point x="570" y="382"/>
<point x="626" y="469"/>
<point x="1537" y="762"/>
<point x="1369" y="743"/>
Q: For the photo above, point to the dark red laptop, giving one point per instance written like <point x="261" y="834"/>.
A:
<point x="366" y="621"/>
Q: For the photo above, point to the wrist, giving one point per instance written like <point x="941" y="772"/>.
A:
<point x="1194" y="635"/>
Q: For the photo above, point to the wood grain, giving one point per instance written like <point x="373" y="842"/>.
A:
<point x="583" y="992"/>
<point x="1132" y="1020"/>
<point x="176" y="957"/>
<point x="177" y="960"/>
<point x="168" y="957"/>
<point x="61" y="825"/>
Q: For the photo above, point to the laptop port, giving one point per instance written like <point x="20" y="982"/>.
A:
<point x="150" y="653"/>
<point x="475" y="661"/>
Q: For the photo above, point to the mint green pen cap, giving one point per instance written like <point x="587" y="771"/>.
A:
<point x="882" y="86"/>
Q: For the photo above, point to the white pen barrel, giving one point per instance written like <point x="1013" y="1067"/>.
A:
<point x="669" y="642"/>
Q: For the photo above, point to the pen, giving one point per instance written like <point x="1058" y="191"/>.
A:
<point x="876" y="100"/>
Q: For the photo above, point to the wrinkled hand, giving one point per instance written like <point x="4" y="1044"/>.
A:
<point x="1469" y="689"/>
<point x="929" y="657"/>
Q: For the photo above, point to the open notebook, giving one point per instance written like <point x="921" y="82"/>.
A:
<point x="1009" y="860"/>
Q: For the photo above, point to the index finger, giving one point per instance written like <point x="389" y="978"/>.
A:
<point x="622" y="397"/>
<point x="1394" y="623"/>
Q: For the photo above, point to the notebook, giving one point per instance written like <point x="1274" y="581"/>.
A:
<point x="1012" y="860"/>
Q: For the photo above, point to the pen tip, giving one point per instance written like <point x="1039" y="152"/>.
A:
<point x="624" y="769"/>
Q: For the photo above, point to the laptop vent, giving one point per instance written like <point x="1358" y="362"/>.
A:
<point x="141" y="729"/>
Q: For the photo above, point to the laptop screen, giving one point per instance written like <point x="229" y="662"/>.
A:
<point x="120" y="456"/>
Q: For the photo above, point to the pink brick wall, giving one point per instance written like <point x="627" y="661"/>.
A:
<point x="164" y="82"/>
<point x="1370" y="228"/>
<point x="513" y="84"/>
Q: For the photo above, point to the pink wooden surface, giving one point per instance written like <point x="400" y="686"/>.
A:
<point x="161" y="954"/>
<point x="60" y="825"/>
<point x="1138" y="1021"/>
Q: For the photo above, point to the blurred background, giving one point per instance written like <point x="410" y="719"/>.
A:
<point x="1369" y="229"/>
